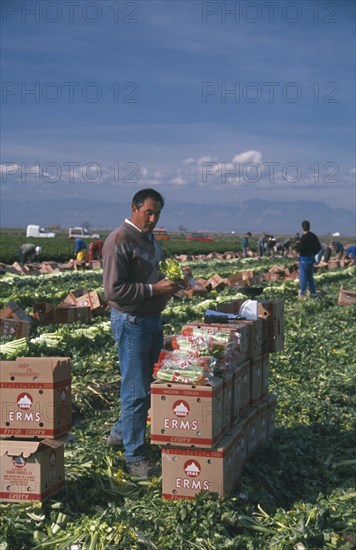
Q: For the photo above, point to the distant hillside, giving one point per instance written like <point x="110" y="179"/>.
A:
<point x="253" y="215"/>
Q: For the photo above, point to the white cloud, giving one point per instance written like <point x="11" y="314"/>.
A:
<point x="178" y="181"/>
<point x="206" y="159"/>
<point x="248" y="156"/>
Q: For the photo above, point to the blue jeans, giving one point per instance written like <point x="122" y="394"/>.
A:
<point x="306" y="276"/>
<point x="139" y="341"/>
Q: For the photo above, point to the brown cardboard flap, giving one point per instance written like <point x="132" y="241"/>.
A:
<point x="17" y="448"/>
<point x="13" y="447"/>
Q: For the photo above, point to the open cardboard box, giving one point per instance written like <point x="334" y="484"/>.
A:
<point x="31" y="470"/>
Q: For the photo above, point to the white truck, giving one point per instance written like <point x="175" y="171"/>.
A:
<point x="83" y="233"/>
<point x="38" y="231"/>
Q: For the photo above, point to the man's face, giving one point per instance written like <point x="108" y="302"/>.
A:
<point x="146" y="216"/>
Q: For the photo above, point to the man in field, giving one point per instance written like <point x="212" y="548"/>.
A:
<point x="137" y="293"/>
<point x="308" y="248"/>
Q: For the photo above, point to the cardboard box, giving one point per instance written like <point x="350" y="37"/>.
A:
<point x="71" y="298"/>
<point x="273" y="327"/>
<point x="346" y="297"/>
<point x="242" y="440"/>
<point x="216" y="283"/>
<point x="256" y="337"/>
<point x="11" y="328"/>
<point x="14" y="321"/>
<point x="271" y="414"/>
<point x="241" y="391"/>
<point x="265" y="375"/>
<point x="35" y="397"/>
<point x="262" y="423"/>
<point x="251" y="430"/>
<point x="238" y="436"/>
<point x="256" y="373"/>
<point x="31" y="470"/>
<point x="72" y="314"/>
<point x="187" y="472"/>
<point x="251" y="333"/>
<point x="21" y="268"/>
<point x="48" y="313"/>
<point x="228" y="378"/>
<point x="196" y="290"/>
<point x="245" y="393"/>
<point x="44" y="312"/>
<point x="333" y="263"/>
<point x="80" y="298"/>
<point x="272" y="311"/>
<point x="187" y="416"/>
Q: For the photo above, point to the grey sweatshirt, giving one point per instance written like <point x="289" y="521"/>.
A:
<point x="131" y="264"/>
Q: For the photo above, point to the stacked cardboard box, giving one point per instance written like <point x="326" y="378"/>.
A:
<point x="347" y="297"/>
<point x="36" y="417"/>
<point x="77" y="306"/>
<point x="14" y="322"/>
<point x="208" y="433"/>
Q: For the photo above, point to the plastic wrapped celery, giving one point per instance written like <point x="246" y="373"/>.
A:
<point x="178" y="366"/>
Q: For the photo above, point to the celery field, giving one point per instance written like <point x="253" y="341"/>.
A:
<point x="297" y="492"/>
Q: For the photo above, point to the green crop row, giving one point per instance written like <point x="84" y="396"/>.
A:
<point x="298" y="492"/>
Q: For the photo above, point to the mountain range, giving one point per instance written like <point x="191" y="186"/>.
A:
<point x="256" y="216"/>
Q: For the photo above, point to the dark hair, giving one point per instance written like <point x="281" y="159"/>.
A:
<point x="305" y="225"/>
<point x="140" y="197"/>
<point x="249" y="234"/>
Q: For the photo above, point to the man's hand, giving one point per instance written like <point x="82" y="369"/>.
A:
<point x="165" y="286"/>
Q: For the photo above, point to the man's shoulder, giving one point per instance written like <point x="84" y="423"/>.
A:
<point x="123" y="233"/>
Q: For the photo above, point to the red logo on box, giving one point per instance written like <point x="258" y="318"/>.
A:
<point x="24" y="400"/>
<point x="19" y="462"/>
<point x="192" y="468"/>
<point x="181" y="408"/>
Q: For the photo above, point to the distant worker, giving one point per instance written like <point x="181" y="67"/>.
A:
<point x="338" y="249"/>
<point x="27" y="252"/>
<point x="269" y="245"/>
<point x="350" y="253"/>
<point x="278" y="248"/>
<point x="261" y="243"/>
<point x="95" y="251"/>
<point x="80" y="248"/>
<point x="286" y="246"/>
<point x="245" y="244"/>
<point x="323" y="254"/>
<point x="307" y="248"/>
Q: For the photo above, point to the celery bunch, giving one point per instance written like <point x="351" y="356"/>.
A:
<point x="172" y="269"/>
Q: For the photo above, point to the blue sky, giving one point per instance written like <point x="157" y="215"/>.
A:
<point x="214" y="101"/>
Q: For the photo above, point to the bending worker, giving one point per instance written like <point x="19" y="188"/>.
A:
<point x="80" y="248"/>
<point x="95" y="251"/>
<point x="27" y="252"/>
